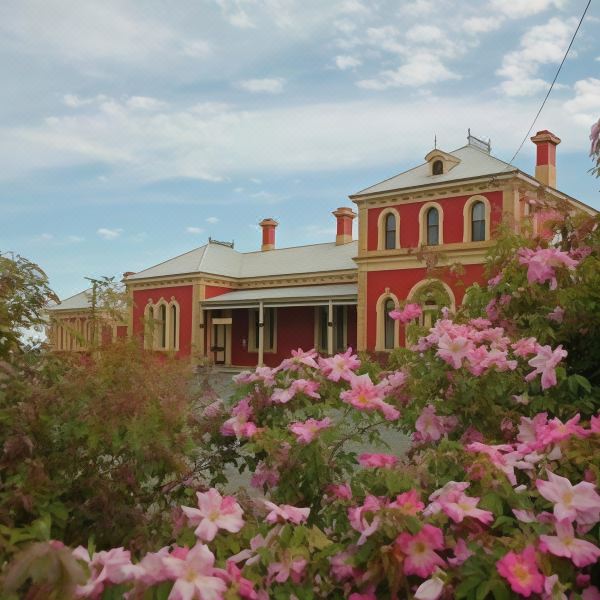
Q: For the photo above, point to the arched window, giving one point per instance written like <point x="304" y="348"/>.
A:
<point x="389" y="325"/>
<point x="162" y="331"/>
<point x="390" y="231"/>
<point x="149" y="324"/>
<point x="433" y="227"/>
<point x="478" y="222"/>
<point x="438" y="167"/>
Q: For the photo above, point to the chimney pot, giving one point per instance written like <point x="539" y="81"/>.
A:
<point x="545" y="165"/>
<point x="127" y="274"/>
<point x="344" y="217"/>
<point x="268" y="234"/>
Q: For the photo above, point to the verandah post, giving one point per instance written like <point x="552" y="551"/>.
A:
<point x="261" y="333"/>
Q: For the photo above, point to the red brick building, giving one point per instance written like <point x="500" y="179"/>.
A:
<point x="244" y="309"/>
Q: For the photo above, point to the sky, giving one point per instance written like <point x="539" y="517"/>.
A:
<point x="131" y="131"/>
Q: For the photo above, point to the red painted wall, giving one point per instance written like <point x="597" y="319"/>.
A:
<point x="183" y="295"/>
<point x="210" y="291"/>
<point x="400" y="282"/>
<point x="352" y="327"/>
<point x="295" y="329"/>
<point x="453" y="219"/>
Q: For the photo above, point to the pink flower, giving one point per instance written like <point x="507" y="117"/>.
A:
<point x="557" y="315"/>
<point x="595" y="424"/>
<point x="233" y="575"/>
<point x="289" y="567"/>
<point x="263" y="475"/>
<point x="407" y="314"/>
<point x="285" y="512"/>
<point x="545" y="362"/>
<point x="565" y="544"/>
<point x="239" y="424"/>
<point x="214" y="512"/>
<point x="307" y="431"/>
<point x="194" y="576"/>
<point x="368" y="594"/>
<point x="557" y="431"/>
<point x="431" y="589"/>
<point x="494" y="281"/>
<point x="453" y="351"/>
<point x="521" y="571"/>
<point x="461" y="553"/>
<point x="299" y="359"/>
<point x="420" y="557"/>
<point x="298" y="386"/>
<point x="382" y="461"/>
<point x="408" y="503"/>
<point x="541" y="264"/>
<point x="452" y="500"/>
<point x="525" y="346"/>
<point x="578" y="502"/>
<point x="112" y="566"/>
<point x="340" y="366"/>
<point x="341" y="491"/>
<point x="358" y="518"/>
<point x="365" y="395"/>
<point x="341" y="567"/>
<point x="431" y="427"/>
<point x="553" y="589"/>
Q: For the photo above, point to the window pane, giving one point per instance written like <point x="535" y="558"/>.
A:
<point x="323" y="328"/>
<point x="163" y="326"/>
<point x="174" y="324"/>
<point x="438" y="167"/>
<point x="388" y="325"/>
<point x="432" y="227"/>
<point x="390" y="232"/>
<point x="478" y="222"/>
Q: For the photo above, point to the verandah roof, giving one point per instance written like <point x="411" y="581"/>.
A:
<point x="311" y="295"/>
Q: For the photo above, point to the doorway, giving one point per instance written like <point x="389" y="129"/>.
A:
<point x="219" y="344"/>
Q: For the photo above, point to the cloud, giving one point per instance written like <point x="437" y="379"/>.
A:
<point x="75" y="239"/>
<point x="421" y="69"/>
<point x="264" y="86"/>
<point x="417" y="8"/>
<point x="517" y="9"/>
<point x="476" y="25"/>
<point x="194" y="230"/>
<point x="144" y="103"/>
<point x="347" y="62"/>
<point x="540" y="45"/>
<point x="585" y="106"/>
<point x="212" y="220"/>
<point x="109" y="234"/>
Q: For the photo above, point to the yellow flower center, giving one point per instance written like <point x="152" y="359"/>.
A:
<point x="522" y="573"/>
<point x="567" y="498"/>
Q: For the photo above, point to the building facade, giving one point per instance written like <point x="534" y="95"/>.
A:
<point x="246" y="309"/>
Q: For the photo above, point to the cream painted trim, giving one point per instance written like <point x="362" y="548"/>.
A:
<point x="363" y="228"/>
<point x="381" y="231"/>
<point x="432" y="280"/>
<point x="467" y="224"/>
<point x="152" y="319"/>
<point x="380" y="312"/>
<point x="361" y="309"/>
<point x="423" y="224"/>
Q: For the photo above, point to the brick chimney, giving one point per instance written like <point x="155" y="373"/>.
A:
<point x="268" y="234"/>
<point x="344" y="217"/>
<point x="545" y="166"/>
<point x="127" y="274"/>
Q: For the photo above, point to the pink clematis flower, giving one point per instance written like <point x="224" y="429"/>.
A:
<point x="299" y="359"/>
<point x="452" y="500"/>
<point x="299" y="386"/>
<point x="431" y="427"/>
<point x="541" y="264"/>
<point x="288" y="567"/>
<point x="365" y="395"/>
<point x="285" y="512"/>
<point x="232" y="574"/>
<point x="432" y="588"/>
<point x="461" y="553"/>
<point x="557" y="431"/>
<point x="522" y="572"/>
<point x="214" y="512"/>
<point x="579" y="502"/>
<point x="407" y="314"/>
<point x="308" y="430"/>
<point x="454" y="350"/>
<point x="357" y="516"/>
<point x="239" y="424"/>
<point x="544" y="363"/>
<point x="381" y="461"/>
<point x="106" y="567"/>
<point x="194" y="576"/>
<point x="553" y="589"/>
<point x="341" y="491"/>
<point x="340" y="366"/>
<point x="264" y="475"/>
<point x="420" y="557"/>
<point x="408" y="503"/>
<point x="341" y="567"/>
<point x="564" y="543"/>
<point x="557" y="315"/>
<point x="525" y="346"/>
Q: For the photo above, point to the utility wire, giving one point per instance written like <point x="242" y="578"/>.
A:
<point x="551" y="85"/>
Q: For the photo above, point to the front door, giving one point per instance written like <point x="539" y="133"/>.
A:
<point x="219" y="342"/>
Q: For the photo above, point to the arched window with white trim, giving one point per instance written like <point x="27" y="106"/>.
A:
<point x="388" y="229"/>
<point x="162" y="326"/>
<point x="478" y="222"/>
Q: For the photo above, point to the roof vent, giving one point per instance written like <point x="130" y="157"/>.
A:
<point x="479" y="143"/>
<point x="219" y="243"/>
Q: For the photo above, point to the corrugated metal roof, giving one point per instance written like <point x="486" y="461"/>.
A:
<point x="348" y="291"/>
<point x="79" y="301"/>
<point x="216" y="259"/>
<point x="473" y="163"/>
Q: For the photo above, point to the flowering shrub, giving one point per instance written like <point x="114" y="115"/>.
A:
<point x="497" y="496"/>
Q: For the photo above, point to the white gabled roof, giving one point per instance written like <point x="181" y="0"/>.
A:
<point x="217" y="259"/>
<point x="302" y="293"/>
<point x="80" y="301"/>
<point x="473" y="163"/>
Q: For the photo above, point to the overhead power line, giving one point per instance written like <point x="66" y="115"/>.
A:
<point x="551" y="85"/>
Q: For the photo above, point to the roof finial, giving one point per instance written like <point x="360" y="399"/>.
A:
<point x="469" y="133"/>
<point x="435" y="141"/>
